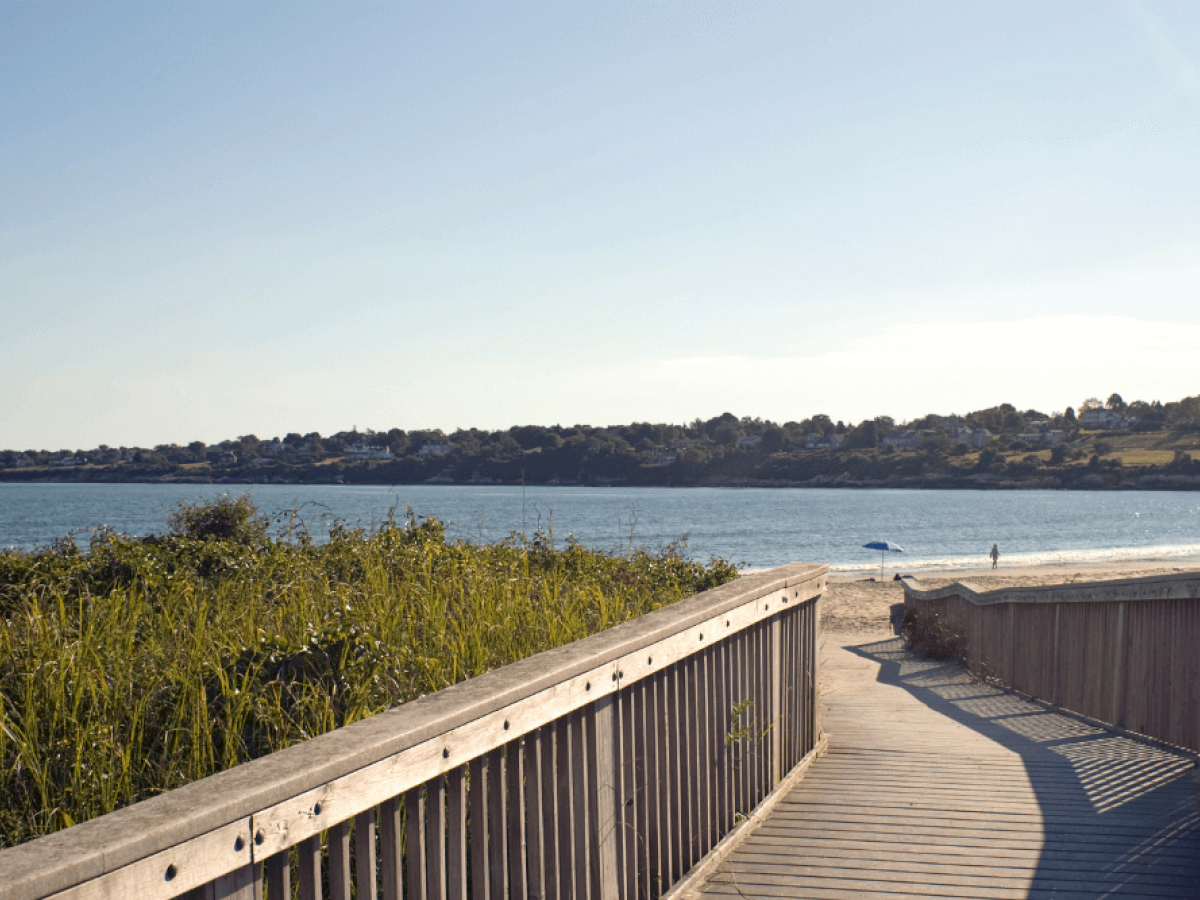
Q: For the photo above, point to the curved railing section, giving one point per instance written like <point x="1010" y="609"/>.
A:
<point x="606" y="768"/>
<point x="1124" y="652"/>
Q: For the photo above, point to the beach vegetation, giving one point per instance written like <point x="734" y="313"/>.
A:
<point x="141" y="664"/>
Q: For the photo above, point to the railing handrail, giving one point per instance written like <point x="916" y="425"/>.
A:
<point x="1180" y="586"/>
<point x="220" y="806"/>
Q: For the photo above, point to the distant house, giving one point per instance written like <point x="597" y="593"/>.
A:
<point x="902" y="440"/>
<point x="365" y="451"/>
<point x="1046" y="438"/>
<point x="435" y="448"/>
<point x="24" y="460"/>
<point x="1103" y="420"/>
<point x="748" y="441"/>
<point x="972" y="437"/>
<point x="68" y="461"/>
<point x="817" y="441"/>
<point x="272" y="447"/>
<point x="662" y="458"/>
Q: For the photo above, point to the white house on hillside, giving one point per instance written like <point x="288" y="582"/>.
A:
<point x="364" y="451"/>
<point x="902" y="440"/>
<point x="1103" y="419"/>
<point x="972" y="437"/>
<point x="815" y="441"/>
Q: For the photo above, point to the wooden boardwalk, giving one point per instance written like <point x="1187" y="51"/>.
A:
<point x="936" y="785"/>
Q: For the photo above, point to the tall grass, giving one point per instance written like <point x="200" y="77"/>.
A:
<point x="147" y="663"/>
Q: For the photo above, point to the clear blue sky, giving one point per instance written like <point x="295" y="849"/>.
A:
<point x="224" y="218"/>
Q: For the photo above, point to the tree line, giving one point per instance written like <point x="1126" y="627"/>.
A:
<point x="1004" y="443"/>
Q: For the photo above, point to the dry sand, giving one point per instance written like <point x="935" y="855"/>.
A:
<point x="863" y="605"/>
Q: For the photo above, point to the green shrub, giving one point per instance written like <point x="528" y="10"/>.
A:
<point x="933" y="636"/>
<point x="225" y="518"/>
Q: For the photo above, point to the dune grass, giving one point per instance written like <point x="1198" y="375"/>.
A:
<point x="147" y="663"/>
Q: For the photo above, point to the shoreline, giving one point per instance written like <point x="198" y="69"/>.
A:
<point x="1091" y="570"/>
<point x="860" y="603"/>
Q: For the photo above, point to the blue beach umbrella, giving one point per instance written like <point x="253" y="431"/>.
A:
<point x="884" y="547"/>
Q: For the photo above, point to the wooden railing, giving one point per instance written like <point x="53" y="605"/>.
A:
<point x="1123" y="652"/>
<point x="606" y="768"/>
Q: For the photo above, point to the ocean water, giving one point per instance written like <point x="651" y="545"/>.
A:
<point x="756" y="527"/>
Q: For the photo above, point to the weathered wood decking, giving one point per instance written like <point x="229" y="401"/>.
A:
<point x="937" y="785"/>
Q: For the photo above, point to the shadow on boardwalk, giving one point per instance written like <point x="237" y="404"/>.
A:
<point x="1110" y="806"/>
<point x="938" y="785"/>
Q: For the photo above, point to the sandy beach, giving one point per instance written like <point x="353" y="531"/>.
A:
<point x="861" y="604"/>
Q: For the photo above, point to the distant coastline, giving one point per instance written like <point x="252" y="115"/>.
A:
<point x="1110" y="446"/>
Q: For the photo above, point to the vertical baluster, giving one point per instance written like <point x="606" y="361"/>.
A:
<point x="435" y="837"/>
<point x="338" y="839"/>
<point x="643" y="742"/>
<point x="814" y="644"/>
<point x="802" y="746"/>
<point x="721" y="727"/>
<point x="534" y="852"/>
<point x="675" y="775"/>
<point x="703" y="751"/>
<point x="737" y="694"/>
<point x="761" y="660"/>
<point x="391" y="848"/>
<point x="691" y="759"/>
<point x="365" y="865"/>
<point x="802" y="719"/>
<point x="626" y="820"/>
<point x="810" y="649"/>
<point x="606" y="748"/>
<point x="497" y="849"/>
<point x="456" y="834"/>
<point x="515" y="799"/>
<point x="762" y="669"/>
<point x="567" y="820"/>
<point x="580" y="803"/>
<point x="800" y="690"/>
<point x="551" y="833"/>
<point x="478" y="802"/>
<point x="662" y="792"/>
<point x="308" y="863"/>
<point x="241" y="884"/>
<point x="775" y="687"/>
<point x="279" y="876"/>
<point x="414" y="825"/>
<point x="757" y="717"/>
<point x="749" y="757"/>
<point x="790" y="684"/>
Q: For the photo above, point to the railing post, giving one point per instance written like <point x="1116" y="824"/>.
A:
<point x="607" y="813"/>
<point x="1054" y="659"/>
<point x="241" y="884"/>
<point x="1118" y="655"/>
<point x="775" y="673"/>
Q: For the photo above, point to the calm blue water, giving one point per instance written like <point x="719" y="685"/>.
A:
<point x="754" y="526"/>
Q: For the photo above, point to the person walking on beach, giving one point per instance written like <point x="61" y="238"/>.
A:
<point x="995" y="555"/>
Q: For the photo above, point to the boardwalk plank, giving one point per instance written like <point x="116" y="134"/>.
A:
<point x="938" y="786"/>
<point x="767" y="873"/>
